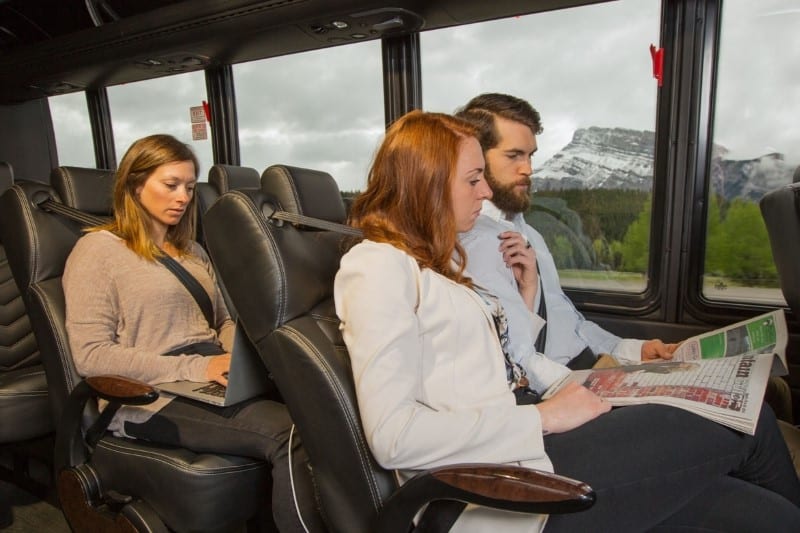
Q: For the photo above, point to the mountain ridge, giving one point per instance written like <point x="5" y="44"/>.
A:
<point x="621" y="158"/>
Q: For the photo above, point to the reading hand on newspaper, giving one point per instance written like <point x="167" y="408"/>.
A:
<point x="656" y="350"/>
<point x="570" y="407"/>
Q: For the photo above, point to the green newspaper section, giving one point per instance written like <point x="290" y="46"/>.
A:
<point x="755" y="337"/>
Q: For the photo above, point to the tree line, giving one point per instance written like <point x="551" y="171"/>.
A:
<point x="609" y="229"/>
<point x="612" y="232"/>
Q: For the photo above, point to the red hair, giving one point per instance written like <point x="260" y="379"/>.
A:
<point x="407" y="202"/>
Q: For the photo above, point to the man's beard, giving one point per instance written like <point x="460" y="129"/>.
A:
<point x="505" y="197"/>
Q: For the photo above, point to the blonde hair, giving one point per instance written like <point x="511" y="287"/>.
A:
<point x="131" y="221"/>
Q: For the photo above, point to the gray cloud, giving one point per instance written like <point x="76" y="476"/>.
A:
<point x="587" y="66"/>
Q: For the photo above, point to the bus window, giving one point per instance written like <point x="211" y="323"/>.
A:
<point x="593" y="171"/>
<point x="72" y="129"/>
<point x="755" y="148"/>
<point x="161" y="105"/>
<point x="321" y="109"/>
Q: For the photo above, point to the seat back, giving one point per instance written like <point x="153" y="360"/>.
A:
<point x="305" y="191"/>
<point x="226" y="178"/>
<point x="284" y="295"/>
<point x="781" y="211"/>
<point x="221" y="179"/>
<point x="17" y="344"/>
<point x="37" y="253"/>
<point x="24" y="413"/>
<point x="88" y="189"/>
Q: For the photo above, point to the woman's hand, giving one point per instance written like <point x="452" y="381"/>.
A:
<point x="572" y="406"/>
<point x="218" y="367"/>
<point x="520" y="257"/>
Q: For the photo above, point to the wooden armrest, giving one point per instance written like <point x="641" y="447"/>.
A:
<point x="506" y="487"/>
<point x="122" y="390"/>
<point x="517" y="484"/>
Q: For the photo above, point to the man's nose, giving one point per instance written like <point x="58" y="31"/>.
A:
<point x="526" y="168"/>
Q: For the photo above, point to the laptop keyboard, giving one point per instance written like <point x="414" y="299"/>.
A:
<point x="214" y="389"/>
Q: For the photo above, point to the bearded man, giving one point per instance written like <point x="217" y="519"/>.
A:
<point x="505" y="255"/>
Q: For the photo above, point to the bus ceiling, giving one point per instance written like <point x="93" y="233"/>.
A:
<point x="49" y="48"/>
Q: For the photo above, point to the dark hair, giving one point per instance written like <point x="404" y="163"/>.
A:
<point x="131" y="220"/>
<point x="407" y="202"/>
<point x="482" y="110"/>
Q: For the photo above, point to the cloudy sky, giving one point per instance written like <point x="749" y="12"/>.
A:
<point x="588" y="66"/>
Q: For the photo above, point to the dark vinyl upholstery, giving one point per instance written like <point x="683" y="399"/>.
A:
<point x="24" y="404"/>
<point x="226" y="178"/>
<point x="90" y="188"/>
<point x="283" y="323"/>
<point x="781" y="211"/>
<point x="221" y="179"/>
<point x="187" y="491"/>
<point x="305" y="192"/>
<point x="284" y="296"/>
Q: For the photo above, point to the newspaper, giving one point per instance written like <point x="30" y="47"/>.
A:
<point x="759" y="335"/>
<point x="720" y="375"/>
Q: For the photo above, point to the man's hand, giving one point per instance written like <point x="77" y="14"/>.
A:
<point x="655" y="350"/>
<point x="218" y="367"/>
<point x="520" y="257"/>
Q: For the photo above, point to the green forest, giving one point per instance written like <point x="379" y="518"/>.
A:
<point x="613" y="233"/>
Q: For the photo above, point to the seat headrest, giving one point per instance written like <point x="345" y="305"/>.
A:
<point x="231" y="177"/>
<point x="305" y="192"/>
<point x="88" y="189"/>
<point x="6" y="176"/>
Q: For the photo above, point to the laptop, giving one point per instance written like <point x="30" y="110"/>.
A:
<point x="247" y="378"/>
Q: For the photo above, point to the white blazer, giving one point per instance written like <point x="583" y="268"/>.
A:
<point x="430" y="375"/>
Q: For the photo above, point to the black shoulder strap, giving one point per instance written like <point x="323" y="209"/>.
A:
<point x="317" y="223"/>
<point x="192" y="285"/>
<point x="183" y="275"/>
<point x="81" y="217"/>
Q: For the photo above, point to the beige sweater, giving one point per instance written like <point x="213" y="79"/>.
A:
<point x="123" y="312"/>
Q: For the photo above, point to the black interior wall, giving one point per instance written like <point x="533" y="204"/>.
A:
<point x="27" y="140"/>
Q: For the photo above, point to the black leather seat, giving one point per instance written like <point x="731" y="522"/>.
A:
<point x="24" y="403"/>
<point x="284" y="297"/>
<point x="117" y="483"/>
<point x="781" y="211"/>
<point x="221" y="179"/>
<point x="24" y="407"/>
<point x="89" y="189"/>
<point x="304" y="191"/>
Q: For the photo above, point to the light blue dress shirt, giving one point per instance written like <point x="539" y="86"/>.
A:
<point x="568" y="332"/>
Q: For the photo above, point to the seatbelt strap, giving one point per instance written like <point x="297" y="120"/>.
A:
<point x="192" y="285"/>
<point x="302" y="220"/>
<point x="81" y="217"/>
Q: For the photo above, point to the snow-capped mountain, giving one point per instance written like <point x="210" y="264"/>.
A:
<point x="617" y="158"/>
